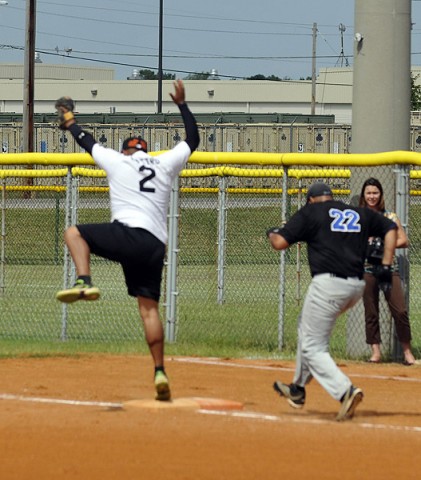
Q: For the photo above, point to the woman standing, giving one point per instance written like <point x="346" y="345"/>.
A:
<point x="372" y="197"/>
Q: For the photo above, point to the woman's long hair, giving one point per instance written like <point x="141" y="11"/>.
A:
<point x="372" y="182"/>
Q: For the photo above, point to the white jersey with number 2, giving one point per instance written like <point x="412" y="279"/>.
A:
<point x="140" y="185"/>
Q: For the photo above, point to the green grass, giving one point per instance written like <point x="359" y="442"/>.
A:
<point x="245" y="324"/>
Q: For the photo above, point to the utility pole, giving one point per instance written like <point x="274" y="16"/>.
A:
<point x="161" y="28"/>
<point x="313" y="72"/>
<point x="29" y="75"/>
<point x="381" y="96"/>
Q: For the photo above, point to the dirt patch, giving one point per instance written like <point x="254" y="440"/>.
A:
<point x="63" y="418"/>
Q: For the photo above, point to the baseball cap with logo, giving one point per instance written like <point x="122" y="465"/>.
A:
<point x="318" y="189"/>
<point x="135" y="142"/>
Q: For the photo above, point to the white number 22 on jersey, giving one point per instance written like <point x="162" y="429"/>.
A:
<point x="345" y="221"/>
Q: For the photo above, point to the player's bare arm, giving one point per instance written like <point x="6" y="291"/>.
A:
<point x="277" y="241"/>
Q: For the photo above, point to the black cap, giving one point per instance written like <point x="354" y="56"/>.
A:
<point x="318" y="189"/>
<point x="135" y="142"/>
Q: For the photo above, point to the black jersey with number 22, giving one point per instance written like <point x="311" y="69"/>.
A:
<point x="336" y="235"/>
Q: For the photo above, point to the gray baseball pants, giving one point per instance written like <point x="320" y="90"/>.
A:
<point x="327" y="298"/>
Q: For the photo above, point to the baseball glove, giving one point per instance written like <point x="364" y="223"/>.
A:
<point x="383" y="274"/>
<point x="375" y="250"/>
<point x="65" y="107"/>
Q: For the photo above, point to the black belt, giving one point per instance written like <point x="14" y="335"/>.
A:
<point x="338" y="275"/>
<point x="345" y="277"/>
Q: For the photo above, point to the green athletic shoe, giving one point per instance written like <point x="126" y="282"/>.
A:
<point x="162" y="387"/>
<point x="79" y="291"/>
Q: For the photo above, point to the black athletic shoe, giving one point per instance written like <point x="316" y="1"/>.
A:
<point x="295" y="397"/>
<point x="350" y="401"/>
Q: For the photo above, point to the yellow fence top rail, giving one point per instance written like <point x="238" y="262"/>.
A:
<point x="401" y="157"/>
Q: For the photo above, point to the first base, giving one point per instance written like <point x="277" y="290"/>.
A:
<point x="200" y="403"/>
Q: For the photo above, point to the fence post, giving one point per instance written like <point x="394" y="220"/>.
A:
<point x="222" y="232"/>
<point x="299" y="245"/>
<point x="70" y="218"/>
<point x="282" y="269"/>
<point x="172" y="261"/>
<point x="402" y="211"/>
<point x="3" y="236"/>
<point x="57" y="231"/>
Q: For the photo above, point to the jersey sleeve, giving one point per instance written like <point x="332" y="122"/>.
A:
<point x="105" y="158"/>
<point x="174" y="160"/>
<point x="82" y="137"/>
<point x="295" y="229"/>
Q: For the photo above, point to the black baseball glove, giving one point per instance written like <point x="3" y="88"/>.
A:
<point x="65" y="107"/>
<point x="383" y="274"/>
<point x="375" y="250"/>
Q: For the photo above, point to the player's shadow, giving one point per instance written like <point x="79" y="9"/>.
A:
<point x="377" y="413"/>
<point x="361" y="413"/>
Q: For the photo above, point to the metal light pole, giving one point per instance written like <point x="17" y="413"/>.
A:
<point x="28" y="82"/>
<point x="161" y="15"/>
<point x="313" y="71"/>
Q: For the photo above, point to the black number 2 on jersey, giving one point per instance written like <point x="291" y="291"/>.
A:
<point x="149" y="177"/>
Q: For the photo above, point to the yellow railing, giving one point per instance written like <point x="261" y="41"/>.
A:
<point x="401" y="157"/>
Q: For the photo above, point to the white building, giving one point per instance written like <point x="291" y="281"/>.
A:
<point x="95" y="91"/>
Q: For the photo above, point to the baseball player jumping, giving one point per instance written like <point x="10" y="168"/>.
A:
<point x="140" y="187"/>
<point x="336" y="235"/>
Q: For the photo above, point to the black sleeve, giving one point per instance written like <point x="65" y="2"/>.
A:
<point x="84" y="139"/>
<point x="296" y="228"/>
<point x="192" y="133"/>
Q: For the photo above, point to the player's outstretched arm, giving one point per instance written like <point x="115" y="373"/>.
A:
<point x="192" y="133"/>
<point x="179" y="96"/>
<point x="65" y="107"/>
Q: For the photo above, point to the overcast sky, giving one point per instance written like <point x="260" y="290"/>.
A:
<point x="238" y="38"/>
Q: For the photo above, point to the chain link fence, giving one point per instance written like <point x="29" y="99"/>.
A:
<point x="223" y="286"/>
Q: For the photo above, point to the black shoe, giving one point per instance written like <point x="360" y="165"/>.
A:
<point x="350" y="401"/>
<point x="295" y="396"/>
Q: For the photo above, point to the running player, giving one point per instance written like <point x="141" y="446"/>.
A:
<point x="140" y="187"/>
<point x="336" y="235"/>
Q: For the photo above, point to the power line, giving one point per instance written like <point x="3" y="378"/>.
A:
<point x="187" y="15"/>
<point x="169" y="27"/>
<point x="190" y="56"/>
<point x="168" y="70"/>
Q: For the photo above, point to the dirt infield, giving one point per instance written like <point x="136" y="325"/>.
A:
<point x="73" y="418"/>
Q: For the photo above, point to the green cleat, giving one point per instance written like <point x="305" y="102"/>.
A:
<point x="162" y="387"/>
<point x="79" y="291"/>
